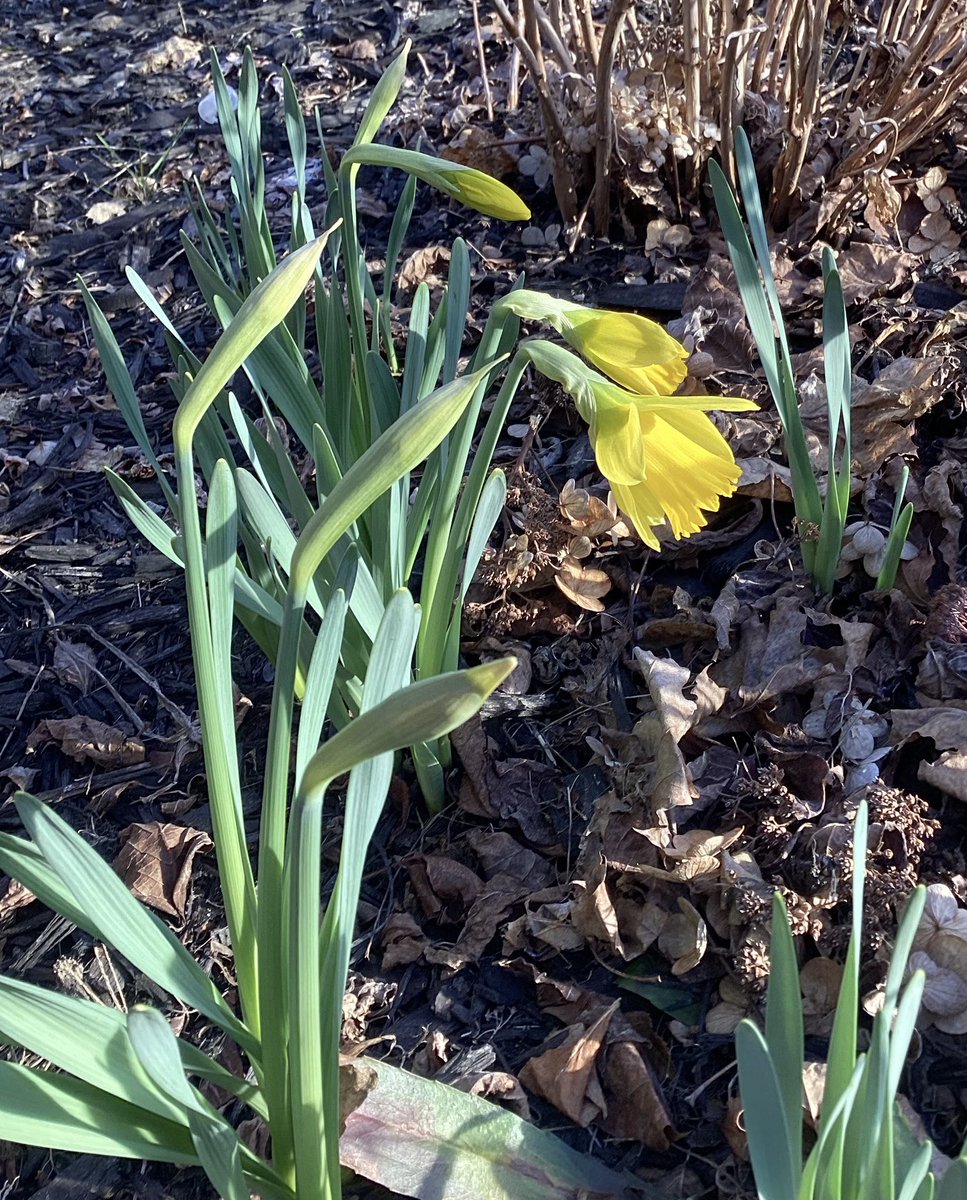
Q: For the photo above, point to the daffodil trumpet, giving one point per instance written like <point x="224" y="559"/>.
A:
<point x="662" y="455"/>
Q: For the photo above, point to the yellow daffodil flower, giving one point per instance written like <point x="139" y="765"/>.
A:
<point x="662" y="455"/>
<point x="633" y="351"/>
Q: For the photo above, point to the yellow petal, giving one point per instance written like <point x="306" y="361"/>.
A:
<point x="642" y="509"/>
<point x="688" y="468"/>
<point x="632" y="350"/>
<point x="616" y="437"/>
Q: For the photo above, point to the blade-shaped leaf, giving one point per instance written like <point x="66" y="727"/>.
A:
<point x="261" y="312"/>
<point x="87" y="1040"/>
<point x="406" y="443"/>
<point x="216" y="1143"/>
<point x="58" y="1112"/>
<point x="421" y="1138"/>
<point x="953" y="1185"/>
<point x="776" y="1171"/>
<point x="784" y="1027"/>
<point x="134" y="931"/>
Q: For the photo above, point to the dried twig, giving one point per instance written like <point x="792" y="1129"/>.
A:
<point x="604" y="116"/>
<point x="482" y="59"/>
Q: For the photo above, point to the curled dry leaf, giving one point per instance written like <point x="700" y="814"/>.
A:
<point x="733" y="1006"/>
<point x="941" y="914"/>
<point x="937" y="238"/>
<point x="665" y="237"/>
<point x="636" y="1108"/>
<point x="403" y="942"/>
<point x="933" y="190"/>
<point x="684" y="939"/>
<point x="444" y="887"/>
<point x="589" y="515"/>
<point x="583" y="585"/>
<point x="567" y="1077"/>
<point x="820" y="980"/>
<point x="944" y="994"/>
<point x="948" y="773"/>
<point x="87" y="740"/>
<point x="661" y="732"/>
<point x="155" y="862"/>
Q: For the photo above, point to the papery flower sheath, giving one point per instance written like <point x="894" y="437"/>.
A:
<point x="662" y="455"/>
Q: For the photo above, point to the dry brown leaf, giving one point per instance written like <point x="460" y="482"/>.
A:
<point x="884" y="204"/>
<point x="948" y="773"/>
<point x="636" y="1107"/>
<point x="444" y="887"/>
<point x="883" y="411"/>
<point x="937" y="238"/>
<point x="502" y="789"/>
<point x="941" y="914"/>
<point x="586" y="513"/>
<point x="155" y="862"/>
<point x="87" y="740"/>
<point x="775" y="654"/>
<point x="733" y="1007"/>
<point x="868" y="269"/>
<point x="814" y="1088"/>
<point x="684" y="939"/>
<point x="500" y="854"/>
<point x="662" y="235"/>
<point x="700" y="843"/>
<point x="933" y="191"/>
<point x="564" y="1000"/>
<point x="820" y="979"/>
<point x="403" y="942"/>
<point x="584" y="586"/>
<point x="593" y="915"/>
<point x="426" y="265"/>
<point x="567" y="1075"/>
<point x="501" y="1087"/>
<point x="734" y="1130"/>
<point x="14" y="895"/>
<point x="477" y="147"/>
<point x="661" y="732"/>
<point x="487" y="914"/>
<point x="765" y="479"/>
<point x="75" y="665"/>
<point x="946" y="727"/>
<point x="546" y="922"/>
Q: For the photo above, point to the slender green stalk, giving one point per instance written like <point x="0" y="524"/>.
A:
<point x="218" y="745"/>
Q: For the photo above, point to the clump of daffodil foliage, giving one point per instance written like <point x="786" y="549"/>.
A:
<point x="664" y="458"/>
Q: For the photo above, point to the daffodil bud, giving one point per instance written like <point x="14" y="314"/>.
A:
<point x="630" y="349"/>
<point x="466" y="184"/>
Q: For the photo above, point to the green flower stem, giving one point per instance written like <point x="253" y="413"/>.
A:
<point x="234" y="868"/>
<point x="352" y="260"/>
<point x="444" y="553"/>
<point x="275" y="1033"/>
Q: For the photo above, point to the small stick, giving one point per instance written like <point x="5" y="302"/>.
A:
<point x="482" y="58"/>
<point x="590" y="37"/>
<point x="692" y="37"/>
<point x="604" y="117"/>
<point x="581" y="55"/>
<point x="513" y="86"/>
